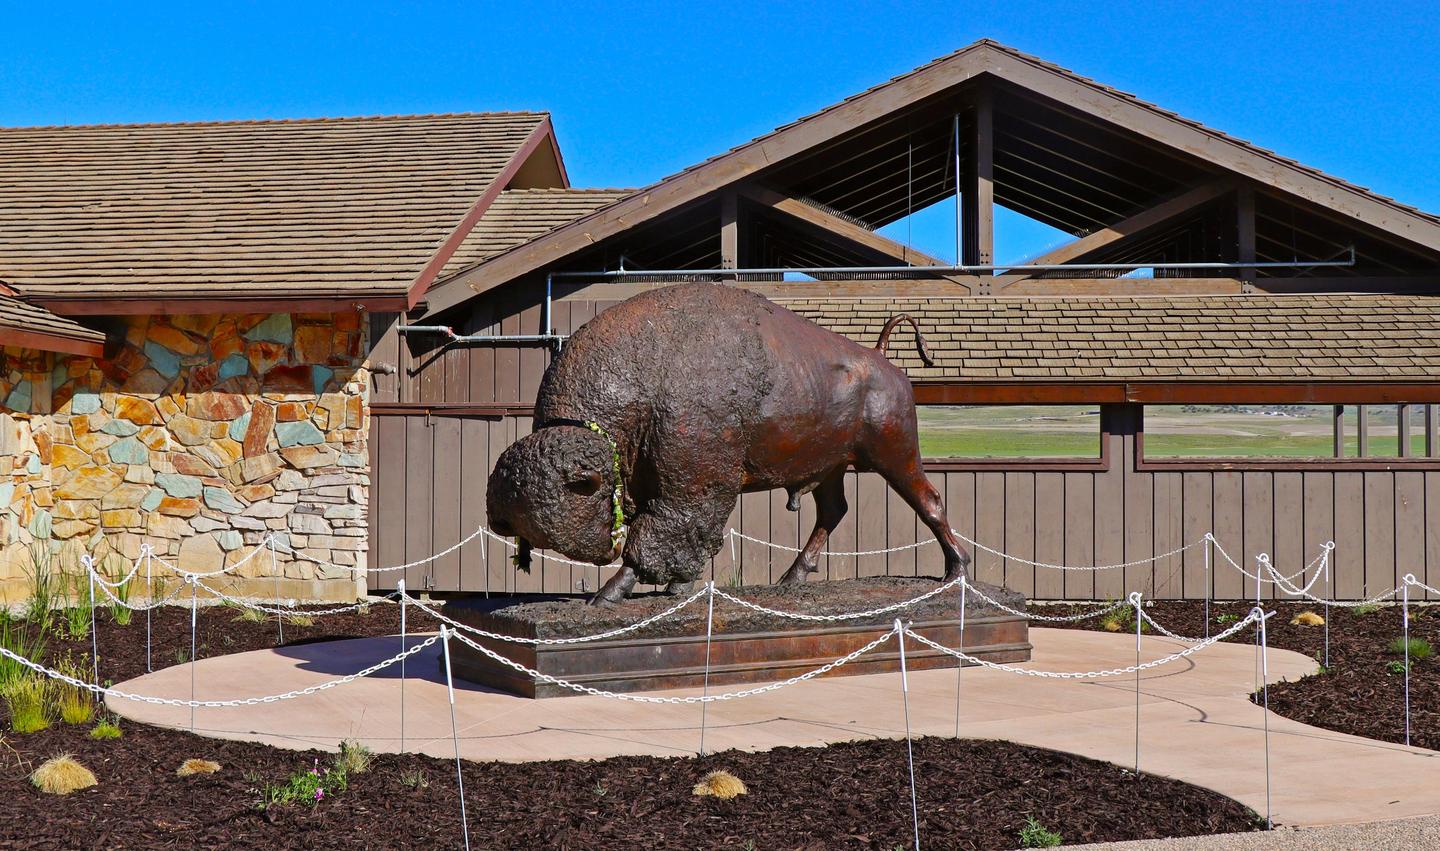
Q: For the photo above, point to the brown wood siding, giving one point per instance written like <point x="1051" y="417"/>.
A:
<point x="429" y="491"/>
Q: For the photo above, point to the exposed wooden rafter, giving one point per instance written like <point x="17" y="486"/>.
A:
<point x="832" y="226"/>
<point x="1078" y="250"/>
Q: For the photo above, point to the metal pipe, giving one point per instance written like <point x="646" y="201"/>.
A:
<point x="953" y="270"/>
<point x="471" y="338"/>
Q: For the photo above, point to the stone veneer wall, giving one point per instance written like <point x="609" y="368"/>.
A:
<point x="200" y="436"/>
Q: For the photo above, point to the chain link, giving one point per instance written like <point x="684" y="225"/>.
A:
<point x="577" y="640"/>
<point x="1086" y="675"/>
<point x="843" y="617"/>
<point x="1415" y="583"/>
<point x="107" y="691"/>
<point x="709" y="698"/>
<point x="1047" y="618"/>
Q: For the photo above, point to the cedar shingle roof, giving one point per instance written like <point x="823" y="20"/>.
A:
<point x="343" y="207"/>
<point x="519" y="215"/>
<point x="1261" y="337"/>
<point x="18" y="317"/>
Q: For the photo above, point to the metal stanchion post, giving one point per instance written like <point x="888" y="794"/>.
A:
<point x="1265" y="693"/>
<point x="194" y="603"/>
<point x="709" y="634"/>
<point x="275" y="572"/>
<point x="1405" y="637"/>
<point x="960" y="663"/>
<point x="145" y="553"/>
<point x="909" y="746"/>
<point x="1329" y="595"/>
<point x="404" y="645"/>
<point x="1209" y="582"/>
<point x="89" y="564"/>
<point x="1135" y="601"/>
<point x="455" y="733"/>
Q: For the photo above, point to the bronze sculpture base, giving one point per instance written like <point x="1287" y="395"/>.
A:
<point x="746" y="646"/>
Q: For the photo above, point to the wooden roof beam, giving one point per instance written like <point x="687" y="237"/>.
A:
<point x="1165" y="211"/>
<point x="833" y="226"/>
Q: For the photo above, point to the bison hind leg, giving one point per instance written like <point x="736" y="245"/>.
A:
<point x="830" y="508"/>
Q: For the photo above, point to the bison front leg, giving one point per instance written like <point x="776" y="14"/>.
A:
<point x="669" y="542"/>
<point x="830" y="508"/>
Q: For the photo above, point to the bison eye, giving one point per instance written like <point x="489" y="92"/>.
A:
<point x="586" y="485"/>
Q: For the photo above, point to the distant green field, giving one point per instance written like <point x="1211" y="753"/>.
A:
<point x="1073" y="432"/>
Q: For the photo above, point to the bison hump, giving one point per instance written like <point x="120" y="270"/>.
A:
<point x="695" y="351"/>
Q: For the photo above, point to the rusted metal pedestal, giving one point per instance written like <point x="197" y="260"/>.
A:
<point x="747" y="646"/>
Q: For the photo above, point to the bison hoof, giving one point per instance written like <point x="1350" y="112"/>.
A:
<point x="680" y="589"/>
<point x="616" y="589"/>
<point x="795" y="575"/>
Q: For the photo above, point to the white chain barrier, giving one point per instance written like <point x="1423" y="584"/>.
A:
<point x="693" y="699"/>
<point x="1090" y="675"/>
<point x="496" y="636"/>
<point x="107" y="691"/>
<point x="1104" y="610"/>
<point x="883" y="610"/>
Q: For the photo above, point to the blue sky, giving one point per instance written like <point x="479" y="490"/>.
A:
<point x="639" y="90"/>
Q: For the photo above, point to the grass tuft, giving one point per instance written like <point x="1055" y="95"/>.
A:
<point x="1366" y="609"/>
<point x="415" y="778"/>
<point x="192" y="767"/>
<point x="720" y="784"/>
<point x="300" y="620"/>
<point x="354" y="758"/>
<point x="1307" y="618"/>
<point x="106" y="728"/>
<point x="61" y="775"/>
<point x="76" y="704"/>
<point x="1420" y="649"/>
<point x="29" y="703"/>
<point x="251" y="616"/>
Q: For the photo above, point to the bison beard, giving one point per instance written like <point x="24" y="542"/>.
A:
<point x="708" y="392"/>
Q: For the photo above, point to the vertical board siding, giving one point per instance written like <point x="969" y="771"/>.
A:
<point x="429" y="492"/>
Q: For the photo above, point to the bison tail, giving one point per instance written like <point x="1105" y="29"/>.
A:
<point x="890" y="324"/>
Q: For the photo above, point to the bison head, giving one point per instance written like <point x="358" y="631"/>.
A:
<point x="553" y="490"/>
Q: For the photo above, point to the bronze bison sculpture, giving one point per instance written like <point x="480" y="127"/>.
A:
<point x="665" y="408"/>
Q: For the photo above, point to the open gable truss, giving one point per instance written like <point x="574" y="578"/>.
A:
<point x="1083" y="157"/>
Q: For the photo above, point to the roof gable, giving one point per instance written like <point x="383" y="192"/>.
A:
<point x="1185" y="141"/>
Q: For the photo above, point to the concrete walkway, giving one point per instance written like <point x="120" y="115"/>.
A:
<point x="1195" y="721"/>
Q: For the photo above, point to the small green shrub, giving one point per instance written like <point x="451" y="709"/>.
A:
<point x="106" y="728"/>
<point x="29" y="703"/>
<point x="23" y="639"/>
<point x="312" y="786"/>
<point x="39" y="608"/>
<point x="354" y="758"/>
<point x="1034" y="835"/>
<point x="1397" y="667"/>
<point x="415" y="779"/>
<point x="248" y="615"/>
<point x="76" y="704"/>
<point x="300" y="619"/>
<point x="1366" y="609"/>
<point x="1420" y="649"/>
<point x="1226" y="618"/>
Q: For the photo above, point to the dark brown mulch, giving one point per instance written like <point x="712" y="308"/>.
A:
<point x="972" y="795"/>
<point x="1358" y="694"/>
<point x="219" y="630"/>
